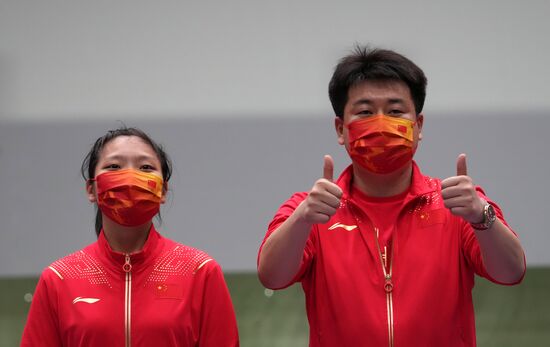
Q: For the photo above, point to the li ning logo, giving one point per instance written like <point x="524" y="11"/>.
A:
<point x="86" y="300"/>
<point x="343" y="226"/>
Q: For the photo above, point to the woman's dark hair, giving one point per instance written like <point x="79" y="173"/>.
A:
<point x="371" y="64"/>
<point x="90" y="161"/>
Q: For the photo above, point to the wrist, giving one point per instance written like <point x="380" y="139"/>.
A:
<point x="488" y="215"/>
<point x="300" y="216"/>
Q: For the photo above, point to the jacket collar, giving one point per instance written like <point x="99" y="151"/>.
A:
<point x="420" y="184"/>
<point x="144" y="256"/>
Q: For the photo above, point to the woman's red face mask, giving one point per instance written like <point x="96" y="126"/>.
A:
<point x="129" y="197"/>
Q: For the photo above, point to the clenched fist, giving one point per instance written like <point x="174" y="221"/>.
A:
<point x="324" y="198"/>
<point x="460" y="196"/>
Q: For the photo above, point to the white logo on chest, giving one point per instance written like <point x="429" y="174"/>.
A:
<point x="343" y="226"/>
<point x="86" y="300"/>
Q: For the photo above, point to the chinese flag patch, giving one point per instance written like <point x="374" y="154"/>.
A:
<point x="431" y="217"/>
<point x="168" y="290"/>
<point x="402" y="129"/>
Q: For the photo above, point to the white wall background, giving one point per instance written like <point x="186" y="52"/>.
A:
<point x="69" y="59"/>
<point x="238" y="93"/>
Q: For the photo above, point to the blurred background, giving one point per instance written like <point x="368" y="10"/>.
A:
<point x="237" y="94"/>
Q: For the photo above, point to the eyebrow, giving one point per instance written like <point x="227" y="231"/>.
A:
<point x="122" y="157"/>
<point x="369" y="101"/>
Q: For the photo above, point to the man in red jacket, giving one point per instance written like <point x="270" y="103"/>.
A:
<point x="387" y="256"/>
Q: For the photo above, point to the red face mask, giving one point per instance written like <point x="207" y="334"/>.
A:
<point x="381" y="144"/>
<point x="129" y="197"/>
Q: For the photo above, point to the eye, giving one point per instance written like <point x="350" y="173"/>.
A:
<point x="365" y="112"/>
<point x="147" y="167"/>
<point x="396" y="112"/>
<point x="111" y="167"/>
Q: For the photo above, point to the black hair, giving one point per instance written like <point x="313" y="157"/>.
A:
<point x="90" y="161"/>
<point x="372" y="64"/>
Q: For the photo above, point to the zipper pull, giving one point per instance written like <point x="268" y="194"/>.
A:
<point x="127" y="267"/>
<point x="388" y="285"/>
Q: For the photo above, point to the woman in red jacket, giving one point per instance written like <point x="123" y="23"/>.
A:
<point x="132" y="287"/>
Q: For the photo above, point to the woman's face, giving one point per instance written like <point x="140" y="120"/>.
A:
<point x="126" y="152"/>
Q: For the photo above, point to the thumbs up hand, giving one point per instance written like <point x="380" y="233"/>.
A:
<point x="460" y="196"/>
<point x="324" y="198"/>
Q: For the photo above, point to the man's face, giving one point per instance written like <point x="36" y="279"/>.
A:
<point x="371" y="98"/>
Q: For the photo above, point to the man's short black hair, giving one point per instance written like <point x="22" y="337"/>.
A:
<point x="372" y="64"/>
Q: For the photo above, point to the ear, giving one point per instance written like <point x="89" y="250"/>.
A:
<point x="419" y="123"/>
<point x="164" y="192"/>
<point x="90" y="191"/>
<point x="339" y="127"/>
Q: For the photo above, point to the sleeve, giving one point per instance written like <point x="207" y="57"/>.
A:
<point x="42" y="327"/>
<point x="470" y="245"/>
<point x="282" y="214"/>
<point x="218" y="326"/>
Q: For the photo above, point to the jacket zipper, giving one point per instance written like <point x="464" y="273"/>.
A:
<point x="388" y="284"/>
<point x="127" y="267"/>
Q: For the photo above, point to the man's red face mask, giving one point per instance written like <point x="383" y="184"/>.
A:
<point x="381" y="144"/>
<point x="129" y="197"/>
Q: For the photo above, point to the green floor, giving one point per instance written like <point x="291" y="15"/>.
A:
<point x="506" y="316"/>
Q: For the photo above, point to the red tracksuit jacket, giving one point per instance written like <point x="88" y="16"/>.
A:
<point x="427" y="298"/>
<point x="167" y="294"/>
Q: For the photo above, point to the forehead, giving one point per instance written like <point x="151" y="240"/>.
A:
<point x="379" y="91"/>
<point x="127" y="146"/>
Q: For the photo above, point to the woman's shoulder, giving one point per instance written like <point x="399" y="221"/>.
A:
<point x="81" y="263"/>
<point x="183" y="259"/>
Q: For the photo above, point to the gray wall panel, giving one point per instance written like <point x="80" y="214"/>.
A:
<point x="232" y="174"/>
